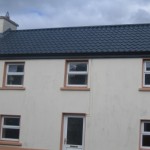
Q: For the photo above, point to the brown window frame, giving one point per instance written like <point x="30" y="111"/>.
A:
<point x="75" y="87"/>
<point x="9" y="141"/>
<point x="12" y="87"/>
<point x="142" y="133"/>
<point x="144" y="88"/>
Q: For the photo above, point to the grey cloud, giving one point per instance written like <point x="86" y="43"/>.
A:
<point x="54" y="13"/>
<point x="141" y="16"/>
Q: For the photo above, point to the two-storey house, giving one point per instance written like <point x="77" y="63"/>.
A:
<point x="75" y="88"/>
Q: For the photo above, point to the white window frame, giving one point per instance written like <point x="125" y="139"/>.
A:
<point x="76" y="73"/>
<point x="9" y="127"/>
<point x="144" y="133"/>
<point x="13" y="73"/>
<point x="65" y="117"/>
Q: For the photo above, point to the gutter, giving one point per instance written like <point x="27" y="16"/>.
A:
<point x="75" y="55"/>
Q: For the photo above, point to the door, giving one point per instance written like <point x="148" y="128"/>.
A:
<point x="73" y="137"/>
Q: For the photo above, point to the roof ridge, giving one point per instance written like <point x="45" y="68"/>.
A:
<point x="80" y="27"/>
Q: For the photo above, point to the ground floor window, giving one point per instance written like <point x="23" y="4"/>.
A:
<point x="145" y="134"/>
<point x="10" y="127"/>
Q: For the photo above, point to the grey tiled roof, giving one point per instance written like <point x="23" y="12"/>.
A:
<point x="90" y="40"/>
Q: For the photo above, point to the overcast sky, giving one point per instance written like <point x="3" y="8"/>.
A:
<point x="32" y="14"/>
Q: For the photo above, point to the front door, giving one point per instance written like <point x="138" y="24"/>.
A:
<point x="73" y="137"/>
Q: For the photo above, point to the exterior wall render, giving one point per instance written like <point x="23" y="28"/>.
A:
<point x="1" y="25"/>
<point x="5" y="25"/>
<point x="114" y="105"/>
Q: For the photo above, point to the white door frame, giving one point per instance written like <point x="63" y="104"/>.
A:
<point x="64" y="136"/>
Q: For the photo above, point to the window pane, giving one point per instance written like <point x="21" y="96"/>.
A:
<point x="74" y="131"/>
<point x="147" y="79"/>
<point x="77" y="79"/>
<point x="147" y="127"/>
<point x="16" y="68"/>
<point x="10" y="133"/>
<point x="78" y="67"/>
<point x="148" y="66"/>
<point x="12" y="121"/>
<point x="14" y="79"/>
<point x="146" y="140"/>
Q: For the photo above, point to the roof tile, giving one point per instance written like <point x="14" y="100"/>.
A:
<point x="94" y="39"/>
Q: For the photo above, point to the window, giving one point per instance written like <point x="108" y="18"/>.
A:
<point x="14" y="74"/>
<point x="145" y="134"/>
<point x="146" y="80"/>
<point x="77" y="73"/>
<point x="10" y="128"/>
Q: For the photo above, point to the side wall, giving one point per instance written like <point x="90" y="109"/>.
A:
<point x="1" y="25"/>
<point x="4" y="25"/>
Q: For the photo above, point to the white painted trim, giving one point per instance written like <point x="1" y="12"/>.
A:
<point x="77" y="73"/>
<point x="144" y="133"/>
<point x="13" y="73"/>
<point x="8" y="127"/>
<point x="65" y="131"/>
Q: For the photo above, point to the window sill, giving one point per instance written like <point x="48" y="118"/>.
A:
<point x="144" y="148"/>
<point x="145" y="89"/>
<point x="12" y="88"/>
<point x="75" y="89"/>
<point x="10" y="143"/>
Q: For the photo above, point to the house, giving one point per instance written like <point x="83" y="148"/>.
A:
<point x="75" y="88"/>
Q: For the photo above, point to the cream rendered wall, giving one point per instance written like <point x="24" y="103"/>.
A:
<point x="4" y="25"/>
<point x="114" y="105"/>
<point x="118" y="105"/>
<point x="42" y="103"/>
<point x="1" y="25"/>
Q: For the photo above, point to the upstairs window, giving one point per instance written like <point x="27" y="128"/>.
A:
<point x="10" y="128"/>
<point x="77" y="73"/>
<point x="145" y="134"/>
<point x="146" y="74"/>
<point x="14" y="74"/>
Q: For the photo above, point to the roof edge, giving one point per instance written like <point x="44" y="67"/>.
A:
<point x="90" y="26"/>
<point x="7" y="19"/>
<point x="76" y="56"/>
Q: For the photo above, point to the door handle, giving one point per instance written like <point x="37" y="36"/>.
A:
<point x="65" y="140"/>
